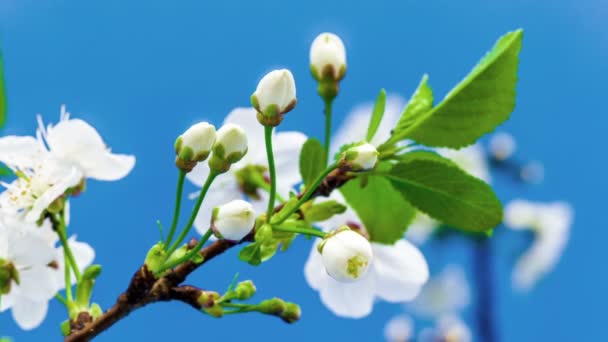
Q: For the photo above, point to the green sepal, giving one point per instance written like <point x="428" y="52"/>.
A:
<point x="66" y="328"/>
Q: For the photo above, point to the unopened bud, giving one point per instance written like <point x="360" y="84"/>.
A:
<point x="194" y="145"/>
<point x="274" y="96"/>
<point x="274" y="306"/>
<point x="291" y="313"/>
<point x="230" y="147"/>
<point x="346" y="255"/>
<point x="328" y="57"/>
<point x="360" y="157"/>
<point x="233" y="220"/>
<point x="244" y="290"/>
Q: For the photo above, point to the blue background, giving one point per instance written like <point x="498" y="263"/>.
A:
<point x="143" y="71"/>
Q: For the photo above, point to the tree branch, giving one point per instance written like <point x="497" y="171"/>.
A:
<point x="144" y="289"/>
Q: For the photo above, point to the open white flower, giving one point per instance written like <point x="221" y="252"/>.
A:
<point x="396" y="274"/>
<point x="551" y="224"/>
<point x="237" y="182"/>
<point x="399" y="329"/>
<point x="34" y="282"/>
<point x="346" y="255"/>
<point x="446" y="293"/>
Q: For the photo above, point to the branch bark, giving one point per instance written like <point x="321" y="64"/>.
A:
<point x="144" y="289"/>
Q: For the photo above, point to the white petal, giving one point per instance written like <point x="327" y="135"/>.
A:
<point x="20" y="152"/>
<point x="353" y="300"/>
<point x="28" y="313"/>
<point x="199" y="174"/>
<point x="28" y="250"/>
<point x="447" y="292"/>
<point x="401" y="271"/>
<point x="287" y="147"/>
<point x="78" y="142"/>
<point x="221" y="192"/>
<point x="399" y="329"/>
<point x="6" y="301"/>
<point x="42" y="203"/>
<point x="314" y="271"/>
<point x="38" y="283"/>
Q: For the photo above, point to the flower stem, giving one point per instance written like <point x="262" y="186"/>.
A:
<point x="309" y="191"/>
<point x="300" y="230"/>
<point x="328" y="104"/>
<point x="195" y="211"/>
<point x="271" y="170"/>
<point x="178" y="203"/>
<point x="61" y="299"/>
<point x="191" y="253"/>
<point x="70" y="261"/>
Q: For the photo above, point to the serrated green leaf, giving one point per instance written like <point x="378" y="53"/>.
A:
<point x="437" y="187"/>
<point x="2" y="94"/>
<point x="323" y="211"/>
<point x="418" y="105"/>
<point x="479" y="103"/>
<point x="312" y="161"/>
<point x="382" y="210"/>
<point x="377" y="114"/>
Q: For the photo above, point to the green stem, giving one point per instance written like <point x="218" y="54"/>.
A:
<point x="271" y="170"/>
<point x="178" y="203"/>
<point x="309" y="191"/>
<point x="191" y="253"/>
<point x="61" y="299"/>
<point x="328" y="104"/>
<point x="67" y="278"/>
<point x="70" y="260"/>
<point x="197" y="207"/>
<point x="300" y="230"/>
<point x="260" y="182"/>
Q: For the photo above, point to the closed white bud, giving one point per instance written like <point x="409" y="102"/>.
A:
<point x="233" y="220"/>
<point x="195" y="143"/>
<point x="360" y="157"/>
<point x="230" y="147"/>
<point x="274" y="96"/>
<point x="328" y="57"/>
<point x="346" y="255"/>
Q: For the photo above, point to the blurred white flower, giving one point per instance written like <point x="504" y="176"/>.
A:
<point x="471" y="159"/>
<point x="551" y="224"/>
<point x="502" y="145"/>
<point x="396" y="274"/>
<point x="399" y="329"/>
<point x="34" y="283"/>
<point x="532" y="172"/>
<point x="228" y="187"/>
<point x="421" y="228"/>
<point x="449" y="328"/>
<point x="446" y="293"/>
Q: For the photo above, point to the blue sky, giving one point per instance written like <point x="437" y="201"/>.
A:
<point x="141" y="72"/>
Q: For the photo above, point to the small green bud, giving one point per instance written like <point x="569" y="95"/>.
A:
<point x="95" y="311"/>
<point x="274" y="306"/>
<point x="92" y="272"/>
<point x="156" y="257"/>
<point x="66" y="328"/>
<point x="244" y="290"/>
<point x="291" y="313"/>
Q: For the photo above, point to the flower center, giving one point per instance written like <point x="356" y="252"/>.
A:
<point x="355" y="264"/>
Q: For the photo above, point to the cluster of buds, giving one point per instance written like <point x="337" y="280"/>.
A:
<point x="288" y="312"/>
<point x="346" y="255"/>
<point x="360" y="157"/>
<point x="274" y="96"/>
<point x="228" y="144"/>
<point x="233" y="220"/>
<point x="328" y="64"/>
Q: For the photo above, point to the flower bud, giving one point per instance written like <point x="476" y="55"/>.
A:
<point x="327" y="58"/>
<point x="194" y="145"/>
<point x="233" y="220"/>
<point x="274" y="96"/>
<point x="244" y="290"/>
<point x="346" y="255"/>
<point x="291" y="313"/>
<point x="273" y="306"/>
<point x="230" y="147"/>
<point x="361" y="157"/>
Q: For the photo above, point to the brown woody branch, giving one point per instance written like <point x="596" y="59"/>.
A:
<point x="144" y="289"/>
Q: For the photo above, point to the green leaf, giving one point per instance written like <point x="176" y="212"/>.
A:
<point x="5" y="171"/>
<point x="479" y="103"/>
<point x="251" y="254"/>
<point x="437" y="187"/>
<point x="418" y="105"/>
<point x="2" y="95"/>
<point x="312" y="161"/>
<point x="382" y="210"/>
<point x="324" y="211"/>
<point x="377" y="115"/>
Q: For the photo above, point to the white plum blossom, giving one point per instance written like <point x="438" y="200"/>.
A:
<point x="446" y="293"/>
<point x="502" y="145"/>
<point x="58" y="159"/>
<point x="230" y="186"/>
<point x="233" y="220"/>
<point x="448" y="328"/>
<point x="399" y="329"/>
<point x="277" y="90"/>
<point x="396" y="274"/>
<point x="551" y="224"/>
<point x="471" y="159"/>
<point x="421" y="228"/>
<point x="35" y="282"/>
<point x="328" y="57"/>
<point x="346" y="255"/>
